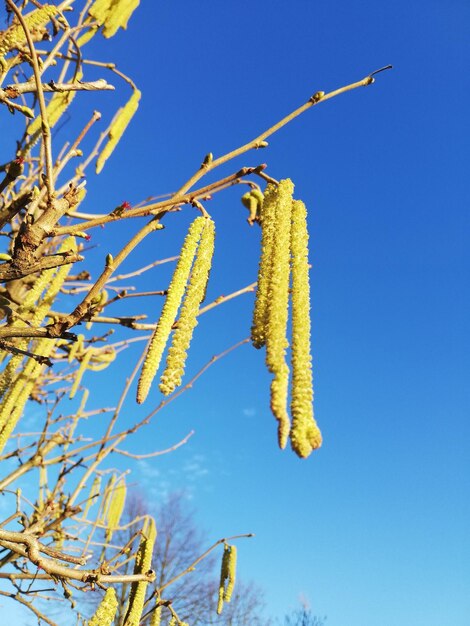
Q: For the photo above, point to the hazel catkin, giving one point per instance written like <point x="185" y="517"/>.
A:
<point x="143" y="561"/>
<point x="305" y="435"/>
<point x="177" y="353"/>
<point x="260" y="312"/>
<point x="227" y="576"/>
<point x="278" y="308"/>
<point x="174" y="296"/>
<point x="106" y="611"/>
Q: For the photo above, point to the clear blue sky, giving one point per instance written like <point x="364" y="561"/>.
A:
<point x="373" y="528"/>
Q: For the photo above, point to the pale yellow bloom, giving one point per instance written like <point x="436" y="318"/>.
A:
<point x="278" y="308"/>
<point x="143" y="562"/>
<point x="260" y="312"/>
<point x="116" y="508"/>
<point x="119" y="124"/>
<point x="106" y="611"/>
<point x="305" y="435"/>
<point x="227" y="576"/>
<point x="177" y="353"/>
<point x="173" y="299"/>
<point x="15" y="37"/>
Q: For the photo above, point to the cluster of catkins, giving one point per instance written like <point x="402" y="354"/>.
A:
<point x="284" y="271"/>
<point x="189" y="281"/>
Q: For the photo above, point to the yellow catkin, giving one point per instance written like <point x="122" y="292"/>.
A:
<point x="232" y="571"/>
<point x="278" y="304"/>
<point x="118" y="126"/>
<point x="173" y="299"/>
<point x="76" y="347"/>
<point x="119" y="16"/>
<point x="305" y="435"/>
<point x="227" y="576"/>
<point x="113" y="14"/>
<point x="15" y="37"/>
<point x="106" y="612"/>
<point x="156" y="617"/>
<point x="143" y="562"/>
<point x="80" y="372"/>
<point x="12" y="405"/>
<point x="100" y="9"/>
<point x="177" y="354"/>
<point x="35" y="309"/>
<point x="116" y="508"/>
<point x="260" y="312"/>
<point x="94" y="493"/>
<point x="108" y="492"/>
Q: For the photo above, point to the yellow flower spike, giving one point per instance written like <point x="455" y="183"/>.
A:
<point x="143" y="562"/>
<point x="81" y="370"/>
<point x="76" y="347"/>
<point x="231" y="571"/>
<point x="99" y="10"/>
<point x="260" y="313"/>
<point x="94" y="493"/>
<point x="116" y="508"/>
<point x="305" y="435"/>
<point x="119" y="16"/>
<point x="108" y="492"/>
<point x="36" y="310"/>
<point x="177" y="354"/>
<point x="173" y="299"/>
<point x="15" y="37"/>
<point x="227" y="576"/>
<point x="14" y="401"/>
<point x="156" y="617"/>
<point x="278" y="308"/>
<point x="118" y="126"/>
<point x="106" y="611"/>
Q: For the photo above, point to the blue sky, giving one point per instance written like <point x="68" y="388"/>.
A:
<point x="373" y="528"/>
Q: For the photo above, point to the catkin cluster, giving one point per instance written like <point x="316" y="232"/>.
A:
<point x="189" y="281"/>
<point x="284" y="270"/>
<point x="227" y="576"/>
<point x="18" y="378"/>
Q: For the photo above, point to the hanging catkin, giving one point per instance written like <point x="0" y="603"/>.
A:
<point x="116" y="508"/>
<point x="177" y="354"/>
<point x="260" y="313"/>
<point x="14" y="36"/>
<point x="157" y="616"/>
<point x="35" y="310"/>
<point x="278" y="306"/>
<point x="170" y="308"/>
<point x="305" y="435"/>
<point x="113" y="14"/>
<point x="227" y="576"/>
<point x="106" y="611"/>
<point x="143" y="561"/>
<point x="14" y="401"/>
<point x="119" y="124"/>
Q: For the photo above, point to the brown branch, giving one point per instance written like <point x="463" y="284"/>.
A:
<point x="9" y="272"/>
<point x="31" y="87"/>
